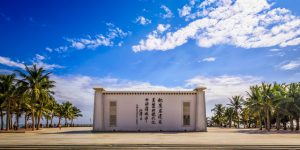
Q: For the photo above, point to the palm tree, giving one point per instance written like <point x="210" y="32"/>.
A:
<point x="68" y="108"/>
<point x="279" y="96"/>
<point x="292" y="104"/>
<point x="236" y="102"/>
<point x="254" y="103"/>
<point x="7" y="94"/>
<point x="76" y="112"/>
<point x="59" y="113"/>
<point x="36" y="81"/>
<point x="52" y="107"/>
<point x="267" y="102"/>
<point x="229" y="112"/>
<point x="218" y="114"/>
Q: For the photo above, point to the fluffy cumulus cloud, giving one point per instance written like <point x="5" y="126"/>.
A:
<point x="242" y="23"/>
<point x="38" y="60"/>
<point x="113" y="37"/>
<point x="167" y="12"/>
<point x="110" y="39"/>
<point x="290" y="65"/>
<point x="209" y="59"/>
<point x="223" y="87"/>
<point x="8" y="62"/>
<point x="142" y="20"/>
<point x="186" y="10"/>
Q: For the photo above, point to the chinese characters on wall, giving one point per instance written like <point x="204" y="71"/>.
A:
<point x="152" y="112"/>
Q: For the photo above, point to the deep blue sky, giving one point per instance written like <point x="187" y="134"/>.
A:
<point x="30" y="31"/>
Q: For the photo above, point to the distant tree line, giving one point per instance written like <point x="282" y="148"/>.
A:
<point x="29" y="94"/>
<point x="265" y="106"/>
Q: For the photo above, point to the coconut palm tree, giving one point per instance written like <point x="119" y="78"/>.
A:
<point x="279" y="96"/>
<point x="60" y="112"/>
<point x="254" y="103"/>
<point x="266" y="91"/>
<point x="76" y="112"/>
<point x="36" y="80"/>
<point x="218" y="114"/>
<point x="229" y="113"/>
<point x="68" y="108"/>
<point x="236" y="102"/>
<point x="7" y="94"/>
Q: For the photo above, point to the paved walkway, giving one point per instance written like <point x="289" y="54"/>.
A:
<point x="214" y="136"/>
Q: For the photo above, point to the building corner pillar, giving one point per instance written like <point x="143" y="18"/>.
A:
<point x="98" y="116"/>
<point x="201" y="123"/>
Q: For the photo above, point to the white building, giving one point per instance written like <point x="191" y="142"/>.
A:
<point x="149" y="110"/>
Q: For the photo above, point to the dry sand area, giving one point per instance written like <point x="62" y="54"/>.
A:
<point x="214" y="136"/>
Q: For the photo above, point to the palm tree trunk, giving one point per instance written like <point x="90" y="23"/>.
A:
<point x="32" y="118"/>
<point x="238" y="119"/>
<point x="297" y="124"/>
<point x="25" y="121"/>
<point x="8" y="116"/>
<point x="51" y="122"/>
<point x="11" y="121"/>
<point x="2" y="121"/>
<point x="260" y="122"/>
<point x="59" y="119"/>
<point x="230" y="120"/>
<point x="38" y="122"/>
<point x="292" y="123"/>
<point x="277" y="122"/>
<point x="47" y="122"/>
<point x="268" y="120"/>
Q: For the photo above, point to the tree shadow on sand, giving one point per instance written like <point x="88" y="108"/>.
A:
<point x="251" y="131"/>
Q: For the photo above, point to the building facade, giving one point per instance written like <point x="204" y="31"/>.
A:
<point x="149" y="110"/>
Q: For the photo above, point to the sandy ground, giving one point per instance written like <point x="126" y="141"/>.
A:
<point x="214" y="136"/>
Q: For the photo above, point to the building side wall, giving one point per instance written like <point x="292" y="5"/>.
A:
<point x="129" y="120"/>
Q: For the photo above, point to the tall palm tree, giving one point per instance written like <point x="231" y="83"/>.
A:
<point x="68" y="108"/>
<point x="60" y="112"/>
<point x="229" y="112"/>
<point x="34" y="79"/>
<point x="76" y="112"/>
<point x="267" y="102"/>
<point x="254" y="103"/>
<point x="236" y="102"/>
<point x="218" y="114"/>
<point x="7" y="94"/>
<point x="279" y="96"/>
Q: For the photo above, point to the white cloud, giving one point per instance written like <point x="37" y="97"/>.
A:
<point x="110" y="39"/>
<point x="291" y="65"/>
<point x="142" y="20"/>
<point x="162" y="28"/>
<point x="242" y="23"/>
<point x="48" y="66"/>
<point x="39" y="57"/>
<point x="168" y="13"/>
<point x="48" y="49"/>
<point x="209" y="59"/>
<point x="186" y="10"/>
<point x="37" y="60"/>
<point x="8" y="62"/>
<point x="222" y="87"/>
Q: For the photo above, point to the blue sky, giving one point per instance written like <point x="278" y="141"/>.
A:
<point x="225" y="45"/>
